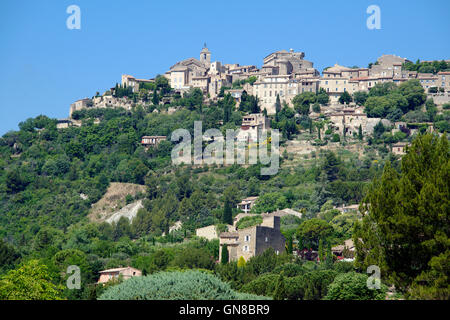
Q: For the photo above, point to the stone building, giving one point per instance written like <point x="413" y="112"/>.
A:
<point x="253" y="241"/>
<point x="252" y="126"/>
<point x="399" y="148"/>
<point x="130" y="81"/>
<point x="124" y="273"/>
<point x="337" y="79"/>
<point x="79" y="105"/>
<point x="285" y="74"/>
<point x="247" y="204"/>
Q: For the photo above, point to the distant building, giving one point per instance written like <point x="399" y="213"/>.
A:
<point x="151" y="141"/>
<point x="253" y="241"/>
<point x="79" y="105"/>
<point x="130" y="81"/>
<point x="399" y="148"/>
<point x="252" y="126"/>
<point x="63" y="123"/>
<point x="347" y="250"/>
<point x="247" y="203"/>
<point x="278" y="213"/>
<point x="125" y="273"/>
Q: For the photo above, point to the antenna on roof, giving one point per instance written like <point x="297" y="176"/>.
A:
<point x="204" y="45"/>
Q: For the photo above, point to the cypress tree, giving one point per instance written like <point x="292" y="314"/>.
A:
<point x="227" y="213"/>
<point x="290" y="245"/>
<point x="360" y="134"/>
<point x="329" y="258"/>
<point x="321" y="252"/>
<point x="225" y="256"/>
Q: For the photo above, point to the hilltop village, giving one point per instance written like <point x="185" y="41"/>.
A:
<point x="100" y="188"/>
<point x="341" y="91"/>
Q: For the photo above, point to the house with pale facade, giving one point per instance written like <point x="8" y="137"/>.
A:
<point x="118" y="273"/>
<point x="247" y="204"/>
<point x="151" y="141"/>
<point x="399" y="148"/>
<point x="252" y="127"/>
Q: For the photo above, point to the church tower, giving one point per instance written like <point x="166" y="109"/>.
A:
<point x="205" y="56"/>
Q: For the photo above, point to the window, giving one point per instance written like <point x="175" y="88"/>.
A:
<point x="245" y="249"/>
<point x="247" y="238"/>
<point x="267" y="239"/>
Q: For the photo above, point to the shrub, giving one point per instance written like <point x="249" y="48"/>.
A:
<point x="353" y="286"/>
<point x="263" y="285"/>
<point x="249" y="222"/>
<point x="187" y="285"/>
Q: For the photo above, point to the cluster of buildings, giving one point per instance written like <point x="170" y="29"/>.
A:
<point x="283" y="73"/>
<point x="287" y="74"/>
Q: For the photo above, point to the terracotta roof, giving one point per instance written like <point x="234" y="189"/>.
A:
<point x="117" y="269"/>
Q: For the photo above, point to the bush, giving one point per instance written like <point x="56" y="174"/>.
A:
<point x="353" y="286"/>
<point x="187" y="285"/>
<point x="246" y="222"/>
<point x="263" y="285"/>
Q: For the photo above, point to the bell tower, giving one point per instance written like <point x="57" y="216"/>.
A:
<point x="205" y="56"/>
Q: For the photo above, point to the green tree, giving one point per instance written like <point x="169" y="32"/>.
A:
<point x="353" y="286"/>
<point x="225" y="255"/>
<point x="406" y="224"/>
<point x="322" y="97"/>
<point x="345" y="98"/>
<point x="227" y="213"/>
<point x="31" y="281"/>
<point x="303" y="101"/>
<point x="280" y="290"/>
<point x="360" y="97"/>
<point x="311" y="231"/>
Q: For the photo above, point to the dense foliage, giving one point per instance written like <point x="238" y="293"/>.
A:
<point x="187" y="285"/>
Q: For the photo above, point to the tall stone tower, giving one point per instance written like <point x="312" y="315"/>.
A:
<point x="205" y="56"/>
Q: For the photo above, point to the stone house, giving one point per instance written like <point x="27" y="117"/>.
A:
<point x="252" y="126"/>
<point x="253" y="241"/>
<point x="247" y="204"/>
<point x="125" y="273"/>
<point x="399" y="148"/>
<point x="79" y="105"/>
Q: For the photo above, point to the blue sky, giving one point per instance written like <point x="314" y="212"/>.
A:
<point x="44" y="66"/>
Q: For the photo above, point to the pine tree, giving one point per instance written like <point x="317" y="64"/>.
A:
<point x="406" y="223"/>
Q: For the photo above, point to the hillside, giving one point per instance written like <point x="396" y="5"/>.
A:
<point x="114" y="204"/>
